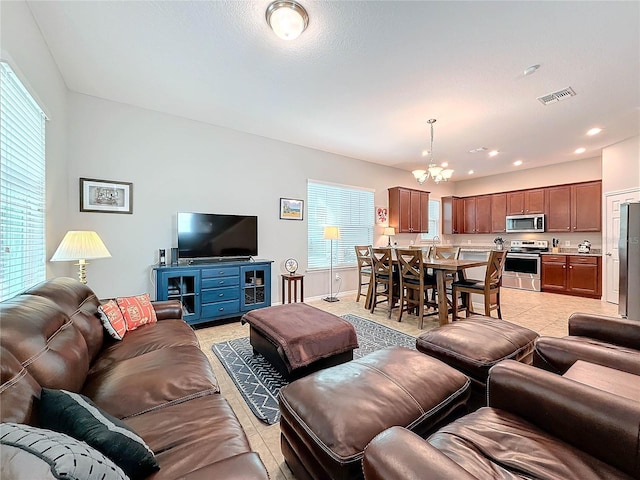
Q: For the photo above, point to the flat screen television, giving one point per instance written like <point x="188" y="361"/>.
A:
<point x="211" y="236"/>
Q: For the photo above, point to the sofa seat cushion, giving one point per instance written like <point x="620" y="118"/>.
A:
<point x="191" y="435"/>
<point x="167" y="333"/>
<point x="492" y="443"/>
<point x="152" y="380"/>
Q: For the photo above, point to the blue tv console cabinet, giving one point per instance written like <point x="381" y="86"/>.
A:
<point x="216" y="290"/>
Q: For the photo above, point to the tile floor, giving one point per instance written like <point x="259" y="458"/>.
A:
<point x="545" y="313"/>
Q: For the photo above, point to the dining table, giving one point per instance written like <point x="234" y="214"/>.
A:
<point x="440" y="268"/>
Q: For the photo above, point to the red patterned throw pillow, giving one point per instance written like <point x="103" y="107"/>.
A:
<point x="112" y="319"/>
<point x="137" y="311"/>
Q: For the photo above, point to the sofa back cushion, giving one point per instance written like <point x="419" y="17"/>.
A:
<point x="18" y="391"/>
<point x="80" y="304"/>
<point x="44" y="341"/>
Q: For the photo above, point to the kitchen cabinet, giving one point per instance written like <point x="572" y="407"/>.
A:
<point x="498" y="212"/>
<point x="408" y="210"/>
<point x="574" y="208"/>
<point x="452" y="212"/>
<point x="477" y="214"/>
<point x="579" y="275"/>
<point x="526" y="201"/>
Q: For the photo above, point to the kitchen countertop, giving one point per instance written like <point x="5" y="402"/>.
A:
<point x="590" y="254"/>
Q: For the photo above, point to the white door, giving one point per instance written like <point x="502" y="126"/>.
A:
<point x="610" y="241"/>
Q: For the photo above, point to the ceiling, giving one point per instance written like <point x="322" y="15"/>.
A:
<point x="365" y="76"/>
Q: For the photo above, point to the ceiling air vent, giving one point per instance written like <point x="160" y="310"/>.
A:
<point x="555" y="97"/>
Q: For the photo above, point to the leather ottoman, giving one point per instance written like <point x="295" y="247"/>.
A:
<point x="476" y="344"/>
<point x="330" y="416"/>
<point x="298" y="339"/>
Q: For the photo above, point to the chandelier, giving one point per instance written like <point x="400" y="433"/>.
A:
<point x="433" y="171"/>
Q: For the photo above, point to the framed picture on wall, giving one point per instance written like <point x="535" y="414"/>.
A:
<point x="382" y="215"/>
<point x="106" y="196"/>
<point x="291" y="209"/>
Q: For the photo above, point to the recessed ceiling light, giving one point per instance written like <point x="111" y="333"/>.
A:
<point x="517" y="163"/>
<point x="493" y="153"/>
<point x="580" y="150"/>
<point x="444" y="164"/>
<point x="531" y="70"/>
<point x="594" y="131"/>
<point x="471" y="172"/>
<point x="425" y="153"/>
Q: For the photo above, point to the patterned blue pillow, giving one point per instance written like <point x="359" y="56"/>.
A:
<point x="68" y="458"/>
<point x="79" y="417"/>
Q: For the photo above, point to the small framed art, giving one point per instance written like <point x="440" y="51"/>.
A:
<point x="106" y="196"/>
<point x="291" y="209"/>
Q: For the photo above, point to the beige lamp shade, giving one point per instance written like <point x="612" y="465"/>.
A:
<point x="389" y="231"/>
<point x="331" y="233"/>
<point x="80" y="246"/>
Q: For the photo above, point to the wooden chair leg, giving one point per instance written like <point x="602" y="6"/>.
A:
<point x="454" y="309"/>
<point x="487" y="305"/>
<point x="498" y="302"/>
<point x="403" y="299"/>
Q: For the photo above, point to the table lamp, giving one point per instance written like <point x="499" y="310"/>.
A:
<point x="331" y="234"/>
<point x="80" y="246"/>
<point x="389" y="232"/>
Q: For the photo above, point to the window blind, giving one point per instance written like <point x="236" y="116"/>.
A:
<point x="349" y="208"/>
<point x="22" y="187"/>
<point x="434" y="221"/>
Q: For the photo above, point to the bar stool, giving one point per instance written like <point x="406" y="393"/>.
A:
<point x="383" y="275"/>
<point x="363" y="255"/>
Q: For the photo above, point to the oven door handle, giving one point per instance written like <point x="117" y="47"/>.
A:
<point x="523" y="256"/>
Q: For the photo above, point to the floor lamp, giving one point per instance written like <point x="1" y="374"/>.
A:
<point x="331" y="234"/>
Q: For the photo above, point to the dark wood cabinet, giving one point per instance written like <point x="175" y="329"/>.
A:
<point x="452" y="212"/>
<point x="408" y="210"/>
<point x="574" y="208"/>
<point x="498" y="212"/>
<point x="525" y="201"/>
<point x="579" y="275"/>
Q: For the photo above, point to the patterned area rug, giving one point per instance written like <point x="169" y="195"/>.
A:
<point x="259" y="383"/>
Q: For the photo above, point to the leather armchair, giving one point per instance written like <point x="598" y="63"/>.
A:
<point x="608" y="341"/>
<point x="537" y="425"/>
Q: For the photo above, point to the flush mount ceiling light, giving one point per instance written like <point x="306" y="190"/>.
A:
<point x="287" y="18"/>
<point x="438" y="174"/>
<point x="530" y="70"/>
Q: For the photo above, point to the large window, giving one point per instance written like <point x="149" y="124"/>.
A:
<point x="350" y="209"/>
<point x="434" y="221"/>
<point x="22" y="187"/>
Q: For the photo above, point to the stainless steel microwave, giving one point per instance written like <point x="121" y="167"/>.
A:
<point x="525" y="223"/>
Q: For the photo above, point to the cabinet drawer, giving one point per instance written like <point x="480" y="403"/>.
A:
<point x="583" y="260"/>
<point x="220" y="282"/>
<point x="220" y="294"/>
<point x="221" y="309"/>
<point x="554" y="258"/>
<point x="220" y="272"/>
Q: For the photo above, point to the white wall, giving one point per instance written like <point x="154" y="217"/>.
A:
<point x="25" y="50"/>
<point x="621" y="166"/>
<point x="181" y="165"/>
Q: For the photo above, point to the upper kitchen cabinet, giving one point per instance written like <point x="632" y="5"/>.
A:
<point x="408" y="210"/>
<point x="452" y="211"/>
<point x="525" y="201"/>
<point x="477" y="214"/>
<point x="498" y="212"/>
<point x="574" y="208"/>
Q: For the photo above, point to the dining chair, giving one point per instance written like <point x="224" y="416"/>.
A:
<point x="383" y="276"/>
<point x="414" y="283"/>
<point x="489" y="288"/>
<point x="444" y="253"/>
<point x="363" y="255"/>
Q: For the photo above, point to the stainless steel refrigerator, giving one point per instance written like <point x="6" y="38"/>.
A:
<point x="629" y="252"/>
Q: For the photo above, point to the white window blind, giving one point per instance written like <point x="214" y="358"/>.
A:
<point x="349" y="208"/>
<point x="22" y="187"/>
<point x="434" y="221"/>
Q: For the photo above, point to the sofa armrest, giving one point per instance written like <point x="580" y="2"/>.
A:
<point x="400" y="453"/>
<point x="582" y="416"/>
<point x="168" y="309"/>
<point x="619" y="331"/>
<point x="246" y="466"/>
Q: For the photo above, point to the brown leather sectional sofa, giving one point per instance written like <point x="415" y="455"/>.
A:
<point x="156" y="379"/>
<point x="537" y="425"/>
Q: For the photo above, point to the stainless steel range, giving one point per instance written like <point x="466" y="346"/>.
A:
<point x="522" y="264"/>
